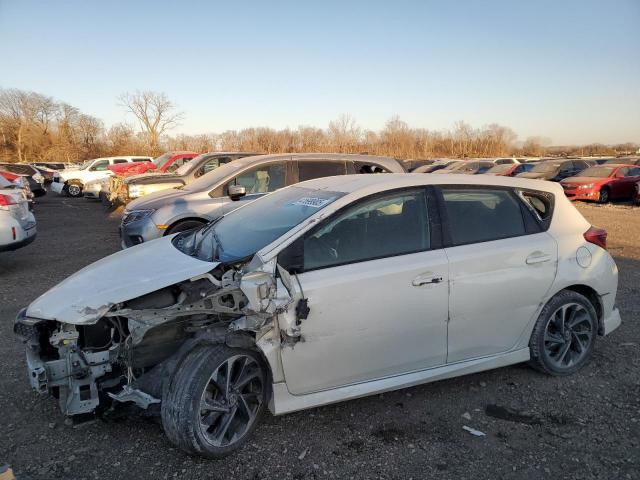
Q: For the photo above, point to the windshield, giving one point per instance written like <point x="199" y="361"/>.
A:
<point x="500" y="168"/>
<point x="546" y="167"/>
<point x="453" y="165"/>
<point x="162" y="159"/>
<point x="243" y="232"/>
<point x="599" y="172"/>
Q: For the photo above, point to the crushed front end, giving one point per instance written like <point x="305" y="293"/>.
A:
<point x="131" y="348"/>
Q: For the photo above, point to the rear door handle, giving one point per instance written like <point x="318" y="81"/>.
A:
<point x="537" y="257"/>
<point x="420" y="280"/>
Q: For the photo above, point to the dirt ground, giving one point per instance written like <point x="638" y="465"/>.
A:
<point x="585" y="426"/>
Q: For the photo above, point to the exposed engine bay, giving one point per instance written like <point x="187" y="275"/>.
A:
<point x="131" y="348"/>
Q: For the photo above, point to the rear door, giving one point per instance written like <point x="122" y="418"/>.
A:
<point x="501" y="264"/>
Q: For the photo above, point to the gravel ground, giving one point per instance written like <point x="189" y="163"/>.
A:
<point x="585" y="426"/>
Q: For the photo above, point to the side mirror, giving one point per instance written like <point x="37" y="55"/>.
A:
<point x="236" y="192"/>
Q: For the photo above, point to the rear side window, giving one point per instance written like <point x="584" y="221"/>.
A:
<point x="540" y="204"/>
<point x="311" y="170"/>
<point x="364" y="167"/>
<point x="482" y="215"/>
<point x="120" y="160"/>
<point x="633" y="172"/>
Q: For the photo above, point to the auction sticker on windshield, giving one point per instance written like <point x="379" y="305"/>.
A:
<point x="313" y="202"/>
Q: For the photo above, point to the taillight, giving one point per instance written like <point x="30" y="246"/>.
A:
<point x="6" y="200"/>
<point x="597" y="236"/>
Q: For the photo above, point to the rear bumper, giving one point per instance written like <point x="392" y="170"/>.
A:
<point x="612" y="322"/>
<point x="19" y="243"/>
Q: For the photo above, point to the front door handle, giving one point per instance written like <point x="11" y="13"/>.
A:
<point x="419" y="281"/>
<point x="537" y="257"/>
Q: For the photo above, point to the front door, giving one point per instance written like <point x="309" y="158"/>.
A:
<point x="377" y="292"/>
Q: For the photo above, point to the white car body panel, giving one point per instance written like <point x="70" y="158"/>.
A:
<point x="495" y="292"/>
<point x="350" y="336"/>
<point x="16" y="218"/>
<point x="119" y="277"/>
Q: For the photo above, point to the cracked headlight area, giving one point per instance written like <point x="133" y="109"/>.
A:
<point x="136" y="215"/>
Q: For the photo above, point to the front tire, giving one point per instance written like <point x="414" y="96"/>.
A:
<point x="74" y="189"/>
<point x="215" y="400"/>
<point x="563" y="338"/>
<point x="604" y="195"/>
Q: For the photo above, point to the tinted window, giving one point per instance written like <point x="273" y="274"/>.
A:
<point x="311" y="170"/>
<point x="99" y="166"/>
<point x="262" y="179"/>
<point x="120" y="160"/>
<point x="141" y="159"/>
<point x="385" y="226"/>
<point x="480" y="215"/>
<point x="633" y="172"/>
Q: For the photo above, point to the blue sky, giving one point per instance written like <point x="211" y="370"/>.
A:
<point x="567" y="70"/>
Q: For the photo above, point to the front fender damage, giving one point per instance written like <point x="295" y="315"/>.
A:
<point x="132" y="350"/>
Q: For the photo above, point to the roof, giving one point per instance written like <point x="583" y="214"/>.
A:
<point x="390" y="163"/>
<point x="380" y="182"/>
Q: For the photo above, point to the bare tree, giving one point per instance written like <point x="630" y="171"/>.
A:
<point x="344" y="133"/>
<point x="155" y="112"/>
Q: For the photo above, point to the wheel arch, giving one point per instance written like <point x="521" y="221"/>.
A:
<point x="176" y="221"/>
<point x="593" y="297"/>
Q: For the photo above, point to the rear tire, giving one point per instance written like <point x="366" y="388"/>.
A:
<point x="214" y="400"/>
<point x="563" y="338"/>
<point x="604" y="195"/>
<point x="185" y="225"/>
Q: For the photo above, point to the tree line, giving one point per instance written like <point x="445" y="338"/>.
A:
<point x="35" y="127"/>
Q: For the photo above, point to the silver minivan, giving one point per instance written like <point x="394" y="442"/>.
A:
<point x="229" y="186"/>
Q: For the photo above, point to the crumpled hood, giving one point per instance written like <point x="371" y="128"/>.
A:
<point x="84" y="297"/>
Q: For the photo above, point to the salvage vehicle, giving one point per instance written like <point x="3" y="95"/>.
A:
<point x="30" y="174"/>
<point x="556" y="170"/>
<point x="140" y="185"/>
<point x="71" y="181"/>
<point x="17" y="223"/>
<point x="509" y="170"/>
<point x="325" y="291"/>
<point x="437" y="166"/>
<point x="468" y="167"/>
<point x="603" y="183"/>
<point x="230" y="186"/>
<point x="166" y="163"/>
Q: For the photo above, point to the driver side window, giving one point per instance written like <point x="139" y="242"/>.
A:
<point x="386" y="226"/>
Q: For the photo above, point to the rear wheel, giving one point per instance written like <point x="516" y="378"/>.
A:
<point x="564" y="336"/>
<point x="215" y="400"/>
<point x="604" y="195"/>
<point x="74" y="189"/>
<point x="185" y="225"/>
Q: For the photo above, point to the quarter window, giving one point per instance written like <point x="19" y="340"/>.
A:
<point x="311" y="170"/>
<point x="382" y="227"/>
<point x="481" y="215"/>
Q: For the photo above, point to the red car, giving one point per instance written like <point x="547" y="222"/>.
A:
<point x="166" y="163"/>
<point x="603" y="183"/>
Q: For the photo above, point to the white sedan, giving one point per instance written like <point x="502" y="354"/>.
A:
<point x="17" y="223"/>
<point x="324" y="291"/>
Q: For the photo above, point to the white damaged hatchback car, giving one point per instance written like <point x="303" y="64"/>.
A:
<point x="324" y="291"/>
